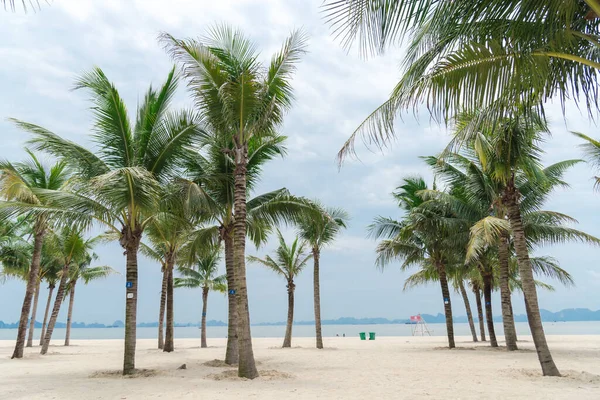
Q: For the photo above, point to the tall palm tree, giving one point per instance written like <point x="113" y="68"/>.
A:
<point x="289" y="261"/>
<point x="203" y="275"/>
<point x="239" y="98"/>
<point x="70" y="248"/>
<point x="51" y="268"/>
<point x="475" y="55"/>
<point x="320" y="231"/>
<point x="82" y="271"/>
<point x="426" y="236"/>
<point x="22" y="184"/>
<point x="119" y="181"/>
<point x="210" y="175"/>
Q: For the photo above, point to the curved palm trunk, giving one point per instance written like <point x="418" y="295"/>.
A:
<point x="44" y="324"/>
<point x="477" y="293"/>
<point x="161" y="312"/>
<point x="487" y="297"/>
<point x="203" y="324"/>
<point x="508" y="321"/>
<point x="60" y="295"/>
<point x="31" y="282"/>
<point x="447" y="304"/>
<point x="287" y="340"/>
<point x="70" y="314"/>
<point x="169" y="345"/>
<point x="317" y="297"/>
<point x="131" y="243"/>
<point x="36" y="298"/>
<point x="246" y="364"/>
<point x="527" y="281"/>
<point x="463" y="293"/>
<point x="231" y="354"/>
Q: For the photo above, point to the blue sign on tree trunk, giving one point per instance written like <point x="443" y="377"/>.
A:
<point x="129" y="285"/>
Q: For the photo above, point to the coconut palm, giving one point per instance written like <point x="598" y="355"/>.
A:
<point x="289" y="261"/>
<point x="119" y="181"/>
<point x="476" y="55"/>
<point x="22" y="184"/>
<point x="82" y="271"/>
<point x="203" y="275"/>
<point x="68" y="247"/>
<point x="210" y="175"/>
<point x="426" y="236"/>
<point x="239" y="99"/>
<point x="168" y="232"/>
<point x="50" y="268"/>
<point x="591" y="150"/>
<point x="320" y="231"/>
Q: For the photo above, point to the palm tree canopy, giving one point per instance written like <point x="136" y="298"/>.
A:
<point x="237" y="97"/>
<point x="320" y="229"/>
<point x="289" y="260"/>
<point x="591" y="150"/>
<point x="119" y="180"/>
<point x="475" y="55"/>
<point x="203" y="274"/>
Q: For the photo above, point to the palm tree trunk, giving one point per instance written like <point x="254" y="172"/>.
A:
<point x="463" y="292"/>
<point x="246" y="364"/>
<point x="287" y="340"/>
<point x="231" y="354"/>
<point x="31" y="282"/>
<point x="161" y="312"/>
<point x="447" y="303"/>
<point x="487" y="297"/>
<point x="169" y="345"/>
<point x="36" y="298"/>
<point x="477" y="293"/>
<point x="317" y="297"/>
<point x="527" y="281"/>
<point x="44" y="324"/>
<point x="60" y="294"/>
<point x="131" y="243"/>
<point x="70" y="314"/>
<point x="510" y="332"/>
<point x="203" y="324"/>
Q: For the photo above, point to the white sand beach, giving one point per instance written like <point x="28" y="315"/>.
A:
<point x="387" y="368"/>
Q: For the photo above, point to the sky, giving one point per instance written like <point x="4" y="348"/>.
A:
<point x="42" y="53"/>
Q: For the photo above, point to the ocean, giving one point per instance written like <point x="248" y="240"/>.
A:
<point x="460" y="329"/>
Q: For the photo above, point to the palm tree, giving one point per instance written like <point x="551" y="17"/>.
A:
<point x="239" y="99"/>
<point x="591" y="150"/>
<point x="119" y="182"/>
<point x="203" y="275"/>
<point x="50" y="268"/>
<point x="427" y="236"/>
<point x="81" y="271"/>
<point x="168" y="232"/>
<point x="289" y="262"/>
<point x="319" y="232"/>
<point x="70" y="248"/>
<point x="475" y="55"/>
<point x="210" y="175"/>
<point x="22" y="184"/>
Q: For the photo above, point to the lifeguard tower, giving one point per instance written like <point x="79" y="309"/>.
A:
<point x="419" y="327"/>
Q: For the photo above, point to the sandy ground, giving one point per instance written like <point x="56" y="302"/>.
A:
<point x="387" y="368"/>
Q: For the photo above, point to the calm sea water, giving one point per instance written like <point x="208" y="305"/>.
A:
<point x="551" y="328"/>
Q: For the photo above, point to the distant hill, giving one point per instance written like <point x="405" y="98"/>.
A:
<point x="570" y="314"/>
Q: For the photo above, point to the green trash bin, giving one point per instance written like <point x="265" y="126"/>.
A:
<point x="371" y="335"/>
<point x="363" y="336"/>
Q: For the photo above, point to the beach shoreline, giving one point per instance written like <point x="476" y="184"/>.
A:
<point x="388" y="367"/>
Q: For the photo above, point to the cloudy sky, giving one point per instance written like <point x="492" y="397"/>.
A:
<point x="41" y="53"/>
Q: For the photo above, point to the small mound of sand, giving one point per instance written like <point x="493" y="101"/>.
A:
<point x="266" y="375"/>
<point x="455" y="348"/>
<point x="139" y="373"/>
<point x="218" y="364"/>
<point x="572" y="375"/>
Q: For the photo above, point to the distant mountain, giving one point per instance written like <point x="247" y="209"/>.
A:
<point x="570" y="314"/>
